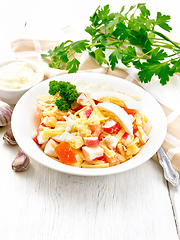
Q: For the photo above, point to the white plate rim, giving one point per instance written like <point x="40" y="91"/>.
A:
<point x="19" y="126"/>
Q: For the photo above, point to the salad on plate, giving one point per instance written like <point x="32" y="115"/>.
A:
<point x="86" y="129"/>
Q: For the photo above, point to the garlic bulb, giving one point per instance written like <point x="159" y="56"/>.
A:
<point x="5" y="114"/>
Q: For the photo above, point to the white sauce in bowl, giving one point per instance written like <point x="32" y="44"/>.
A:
<point x="17" y="75"/>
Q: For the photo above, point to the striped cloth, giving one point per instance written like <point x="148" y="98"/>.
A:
<point x="31" y="49"/>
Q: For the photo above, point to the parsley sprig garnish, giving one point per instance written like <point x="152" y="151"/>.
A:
<point x="114" y="38"/>
<point x="64" y="94"/>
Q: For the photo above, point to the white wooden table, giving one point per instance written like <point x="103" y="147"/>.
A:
<point x="42" y="204"/>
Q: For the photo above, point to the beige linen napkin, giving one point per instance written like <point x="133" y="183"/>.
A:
<point x="32" y="49"/>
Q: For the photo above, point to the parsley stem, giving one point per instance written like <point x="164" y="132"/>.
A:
<point x="166" y="38"/>
<point x="160" y="39"/>
<point x="164" y="44"/>
<point x="93" y="45"/>
<point x="72" y="54"/>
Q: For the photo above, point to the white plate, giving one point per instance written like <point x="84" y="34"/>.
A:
<point x="24" y="122"/>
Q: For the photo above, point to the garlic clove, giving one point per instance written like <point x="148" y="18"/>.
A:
<point x="5" y="113"/>
<point x="21" y="162"/>
<point x="8" y="137"/>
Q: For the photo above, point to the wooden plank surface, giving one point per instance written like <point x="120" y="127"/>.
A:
<point x="43" y="204"/>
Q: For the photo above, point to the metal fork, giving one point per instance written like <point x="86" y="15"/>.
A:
<point x="170" y="173"/>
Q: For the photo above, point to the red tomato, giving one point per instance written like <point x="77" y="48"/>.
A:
<point x="130" y="111"/>
<point x="65" y="154"/>
<point x="112" y="161"/>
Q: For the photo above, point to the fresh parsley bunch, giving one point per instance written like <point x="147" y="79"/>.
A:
<point x="114" y="38"/>
<point x="64" y="94"/>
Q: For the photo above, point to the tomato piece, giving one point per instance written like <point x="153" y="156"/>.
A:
<point x="112" y="161"/>
<point x="130" y="111"/>
<point x="65" y="154"/>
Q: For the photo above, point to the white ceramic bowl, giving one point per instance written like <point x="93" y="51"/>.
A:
<point x="25" y="121"/>
<point x="11" y="96"/>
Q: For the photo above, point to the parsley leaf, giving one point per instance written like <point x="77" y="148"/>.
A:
<point x="155" y="66"/>
<point x="121" y="31"/>
<point x="161" y="20"/>
<point x="100" y="56"/>
<point x="103" y="13"/>
<point x="114" y="57"/>
<point x="162" y="70"/>
<point x="91" y="30"/>
<point x="158" y="54"/>
<point x="79" y="46"/>
<point x="100" y="38"/>
<point x="176" y="66"/>
<point x="73" y="65"/>
<point x="129" y="53"/>
<point x="163" y="73"/>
